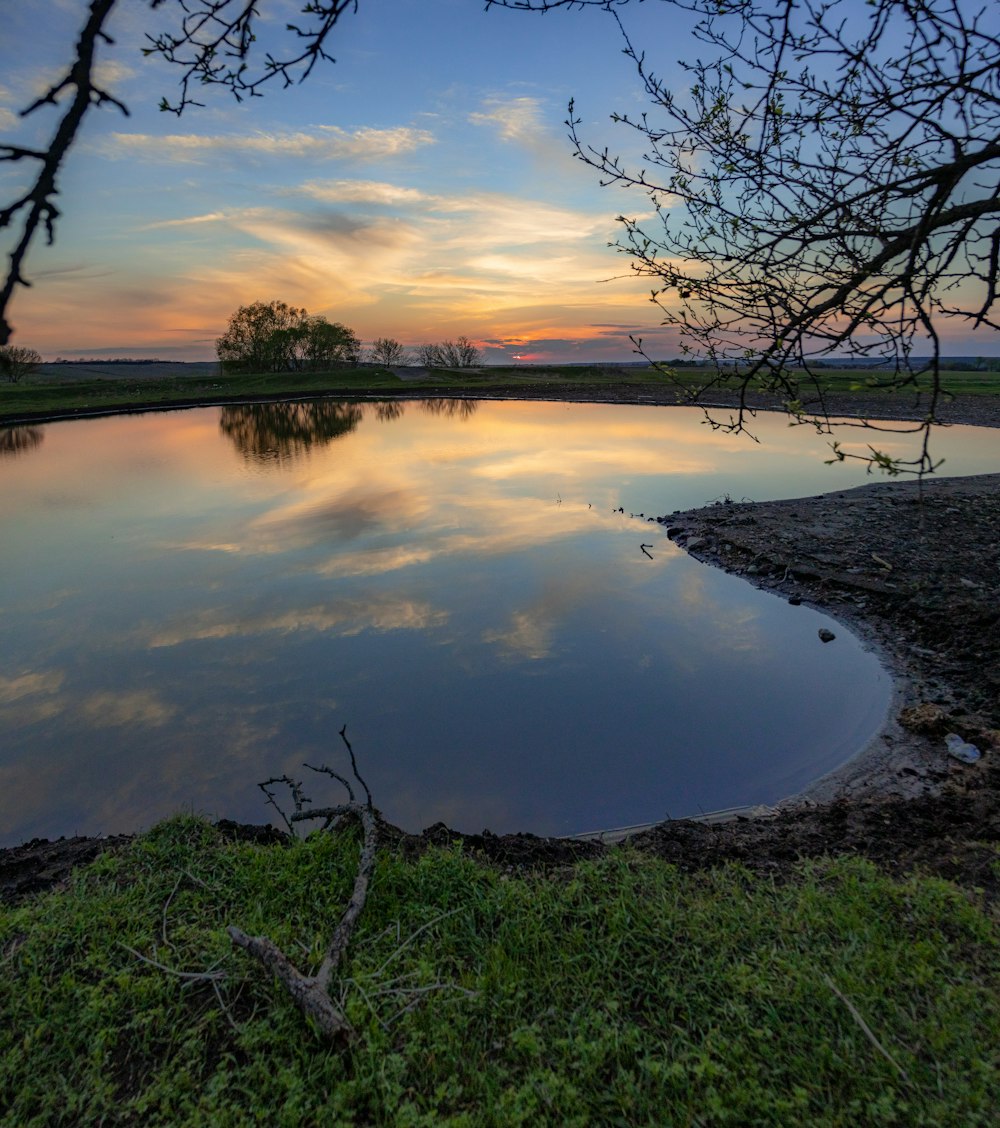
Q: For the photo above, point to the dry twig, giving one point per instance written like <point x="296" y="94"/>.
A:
<point x="311" y="993"/>
<point x="865" y="1028"/>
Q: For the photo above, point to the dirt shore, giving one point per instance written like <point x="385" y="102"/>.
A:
<point x="915" y="571"/>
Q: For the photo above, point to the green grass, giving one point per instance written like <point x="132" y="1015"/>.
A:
<point x="40" y="395"/>
<point x="618" y="992"/>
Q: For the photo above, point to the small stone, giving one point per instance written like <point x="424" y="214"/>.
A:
<point x="825" y="635"/>
<point x="753" y="570"/>
<point x="675" y="530"/>
<point x="795" y="600"/>
<point x="698" y="542"/>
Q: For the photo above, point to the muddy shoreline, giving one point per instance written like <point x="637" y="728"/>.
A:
<point x="915" y="572"/>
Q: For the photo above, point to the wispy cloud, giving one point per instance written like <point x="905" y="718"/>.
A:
<point x="371" y="192"/>
<point x="326" y="142"/>
<point x="516" y="120"/>
<point x="110" y="73"/>
<point x="188" y="221"/>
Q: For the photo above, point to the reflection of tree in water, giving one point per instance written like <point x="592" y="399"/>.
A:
<point x="279" y="433"/>
<point x="388" y="410"/>
<point x="453" y="408"/>
<point x="19" y="440"/>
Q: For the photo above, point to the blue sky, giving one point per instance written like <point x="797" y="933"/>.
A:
<point x="420" y="188"/>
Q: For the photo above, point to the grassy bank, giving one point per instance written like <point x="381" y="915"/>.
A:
<point x="39" y="395"/>
<point x="64" y="394"/>
<point x="618" y="992"/>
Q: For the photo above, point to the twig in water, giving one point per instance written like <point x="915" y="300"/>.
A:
<point x="644" y="547"/>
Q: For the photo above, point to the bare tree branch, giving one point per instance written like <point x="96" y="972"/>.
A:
<point x="825" y="183"/>
<point x="213" y="42"/>
<point x="38" y="203"/>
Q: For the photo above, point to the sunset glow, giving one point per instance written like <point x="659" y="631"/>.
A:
<point x="421" y="188"/>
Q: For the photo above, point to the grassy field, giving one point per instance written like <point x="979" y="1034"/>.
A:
<point x="615" y="992"/>
<point x="69" y="391"/>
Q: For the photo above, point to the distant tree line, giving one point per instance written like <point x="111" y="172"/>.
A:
<point x="276" y="337"/>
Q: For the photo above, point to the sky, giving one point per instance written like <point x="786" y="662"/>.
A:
<point x="420" y="188"/>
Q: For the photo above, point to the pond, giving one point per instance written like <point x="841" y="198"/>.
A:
<point x="195" y="601"/>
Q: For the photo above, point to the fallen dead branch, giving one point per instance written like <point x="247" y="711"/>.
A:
<point x="311" y="993"/>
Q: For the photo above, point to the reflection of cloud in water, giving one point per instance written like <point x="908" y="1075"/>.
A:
<point x="377" y="561"/>
<point x="346" y="516"/>
<point x="15" y="441"/>
<point x="343" y="617"/>
<point x="721" y="627"/>
<point x="205" y="761"/>
<point x="25" y="685"/>
<point x="527" y="636"/>
<point x="586" y="461"/>
<point x="132" y="707"/>
<point x="32" y="697"/>
<point x="492" y="526"/>
<point x="278" y="434"/>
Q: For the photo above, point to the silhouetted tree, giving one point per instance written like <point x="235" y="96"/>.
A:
<point x="825" y="181"/>
<point x="461" y="353"/>
<point x="387" y="351"/>
<point x="212" y="42"/>
<point x="276" y="337"/>
<point x="17" y="362"/>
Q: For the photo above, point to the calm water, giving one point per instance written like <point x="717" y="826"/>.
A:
<point x="194" y="601"/>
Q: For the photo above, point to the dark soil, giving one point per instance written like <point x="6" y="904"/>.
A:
<point x="917" y="572"/>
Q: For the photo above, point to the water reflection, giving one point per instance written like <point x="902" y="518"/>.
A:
<point x="15" y="441"/>
<point x="459" y="586"/>
<point x="450" y="408"/>
<point x="387" y="411"/>
<point x="277" y="434"/>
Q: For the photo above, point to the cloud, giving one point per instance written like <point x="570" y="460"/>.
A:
<point x="372" y="192"/>
<point x="110" y="72"/>
<point x="325" y="143"/>
<point x="8" y="120"/>
<point x="189" y="221"/>
<point x="476" y="219"/>
<point x="515" y="119"/>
